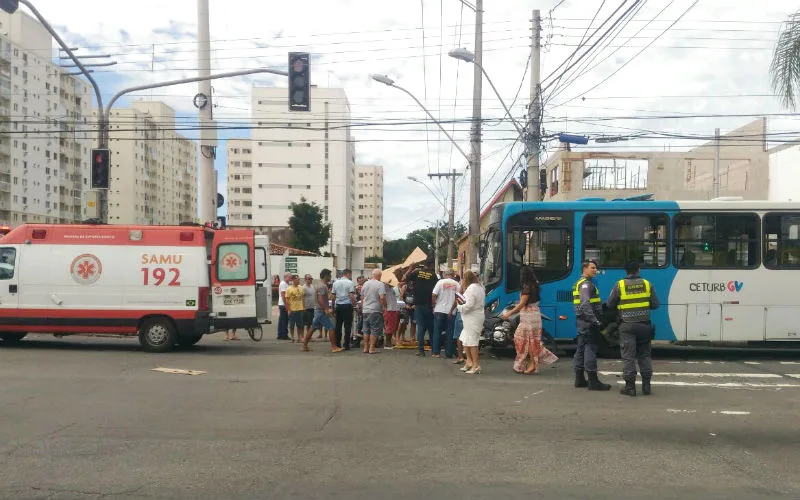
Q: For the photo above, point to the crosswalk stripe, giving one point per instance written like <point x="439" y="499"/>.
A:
<point x="704" y="374"/>
<point x="722" y="385"/>
<point x="793" y="375"/>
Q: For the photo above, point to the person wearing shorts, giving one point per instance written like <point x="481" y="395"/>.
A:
<point x="310" y="297"/>
<point x="373" y="297"/>
<point x="322" y="311"/>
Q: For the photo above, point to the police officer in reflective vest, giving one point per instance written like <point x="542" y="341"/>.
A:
<point x="634" y="297"/>
<point x="588" y="311"/>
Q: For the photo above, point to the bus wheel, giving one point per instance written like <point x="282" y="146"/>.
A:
<point x="157" y="335"/>
<point x="10" y="338"/>
<point x="189" y="340"/>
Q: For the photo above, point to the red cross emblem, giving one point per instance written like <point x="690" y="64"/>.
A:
<point x="86" y="269"/>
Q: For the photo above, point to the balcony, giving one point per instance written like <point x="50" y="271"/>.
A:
<point x="5" y="148"/>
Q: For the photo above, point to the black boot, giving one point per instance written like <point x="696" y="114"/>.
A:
<point x="595" y="384"/>
<point x="580" y="379"/>
<point x="630" y="388"/>
<point x="646" y="386"/>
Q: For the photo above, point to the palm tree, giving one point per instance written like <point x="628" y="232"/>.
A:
<point x="785" y="68"/>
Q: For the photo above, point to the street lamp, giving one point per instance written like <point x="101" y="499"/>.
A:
<point x="391" y="83"/>
<point x="465" y="55"/>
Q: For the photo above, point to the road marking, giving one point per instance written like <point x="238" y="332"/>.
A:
<point x="705" y="374"/>
<point x="722" y="412"/>
<point x="752" y="363"/>
<point x="529" y="395"/>
<point x="790" y="362"/>
<point x="177" y="371"/>
<point x="723" y="385"/>
<point x="793" y="375"/>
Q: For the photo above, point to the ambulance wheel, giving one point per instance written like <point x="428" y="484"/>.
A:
<point x="10" y="338"/>
<point x="157" y="335"/>
<point x="189" y="340"/>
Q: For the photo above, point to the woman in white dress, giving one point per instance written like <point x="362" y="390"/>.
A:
<point x="471" y="309"/>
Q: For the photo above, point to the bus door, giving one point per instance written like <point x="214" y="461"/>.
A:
<point x="545" y="241"/>
<point x="233" y="280"/>
<point x="614" y="239"/>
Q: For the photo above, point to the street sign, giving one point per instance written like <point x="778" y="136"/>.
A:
<point x="291" y="265"/>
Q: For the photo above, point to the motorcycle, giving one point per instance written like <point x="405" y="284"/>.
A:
<point x="498" y="334"/>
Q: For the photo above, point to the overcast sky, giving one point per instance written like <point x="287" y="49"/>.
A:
<point x="713" y="61"/>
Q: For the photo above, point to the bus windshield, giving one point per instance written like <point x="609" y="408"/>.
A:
<point x="492" y="263"/>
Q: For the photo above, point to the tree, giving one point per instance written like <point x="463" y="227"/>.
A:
<point x="394" y="251"/>
<point x="309" y="233"/>
<point x="785" y="67"/>
<point x="373" y="259"/>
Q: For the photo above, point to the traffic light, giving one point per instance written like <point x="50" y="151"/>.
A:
<point x="299" y="81"/>
<point x="9" y="6"/>
<point x="100" y="168"/>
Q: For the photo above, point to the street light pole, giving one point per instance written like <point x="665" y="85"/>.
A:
<point x="390" y="83"/>
<point x="475" y="141"/>
<point x="444" y="206"/>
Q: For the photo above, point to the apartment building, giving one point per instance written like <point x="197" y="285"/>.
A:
<point x="687" y="175"/>
<point x="153" y="174"/>
<point x="45" y="129"/>
<point x="369" y="209"/>
<point x="294" y="155"/>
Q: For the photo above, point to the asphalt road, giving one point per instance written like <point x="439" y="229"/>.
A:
<point x="87" y="418"/>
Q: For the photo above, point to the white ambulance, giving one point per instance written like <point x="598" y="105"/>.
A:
<point x="169" y="285"/>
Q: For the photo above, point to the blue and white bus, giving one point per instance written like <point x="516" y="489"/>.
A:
<point x="723" y="269"/>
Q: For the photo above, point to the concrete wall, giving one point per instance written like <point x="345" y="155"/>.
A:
<point x="784" y="166"/>
<point x="744" y="168"/>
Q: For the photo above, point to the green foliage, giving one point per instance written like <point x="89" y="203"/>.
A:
<point x="395" y="251"/>
<point x="308" y="231"/>
<point x="374" y="259"/>
<point x="785" y="67"/>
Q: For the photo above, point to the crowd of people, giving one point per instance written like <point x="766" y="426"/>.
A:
<point x="443" y="315"/>
<point x="447" y="314"/>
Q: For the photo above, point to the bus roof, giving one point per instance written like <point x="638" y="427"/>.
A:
<point x="650" y="206"/>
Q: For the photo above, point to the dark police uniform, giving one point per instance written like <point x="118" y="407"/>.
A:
<point x="588" y="311"/>
<point x="634" y="297"/>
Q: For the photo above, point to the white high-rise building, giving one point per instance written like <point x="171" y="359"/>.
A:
<point x="153" y="174"/>
<point x="45" y="129"/>
<point x="369" y="209"/>
<point x="295" y="155"/>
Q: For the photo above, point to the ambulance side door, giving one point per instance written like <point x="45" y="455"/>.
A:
<point x="233" y="301"/>
<point x="9" y="277"/>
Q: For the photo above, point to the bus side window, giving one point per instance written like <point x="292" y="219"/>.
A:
<point x="781" y="241"/>
<point x="8" y="257"/>
<point x="708" y="241"/>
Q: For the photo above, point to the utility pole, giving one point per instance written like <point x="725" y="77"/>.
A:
<point x="451" y="244"/>
<point x="535" y="112"/>
<point x="207" y="200"/>
<point x="475" y="141"/>
<point x="716" y="163"/>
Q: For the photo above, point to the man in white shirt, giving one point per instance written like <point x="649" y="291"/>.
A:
<point x="283" y="319"/>
<point x="444" y="299"/>
<point x="345" y="297"/>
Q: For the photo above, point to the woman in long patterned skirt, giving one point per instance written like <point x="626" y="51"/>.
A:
<point x="528" y="336"/>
